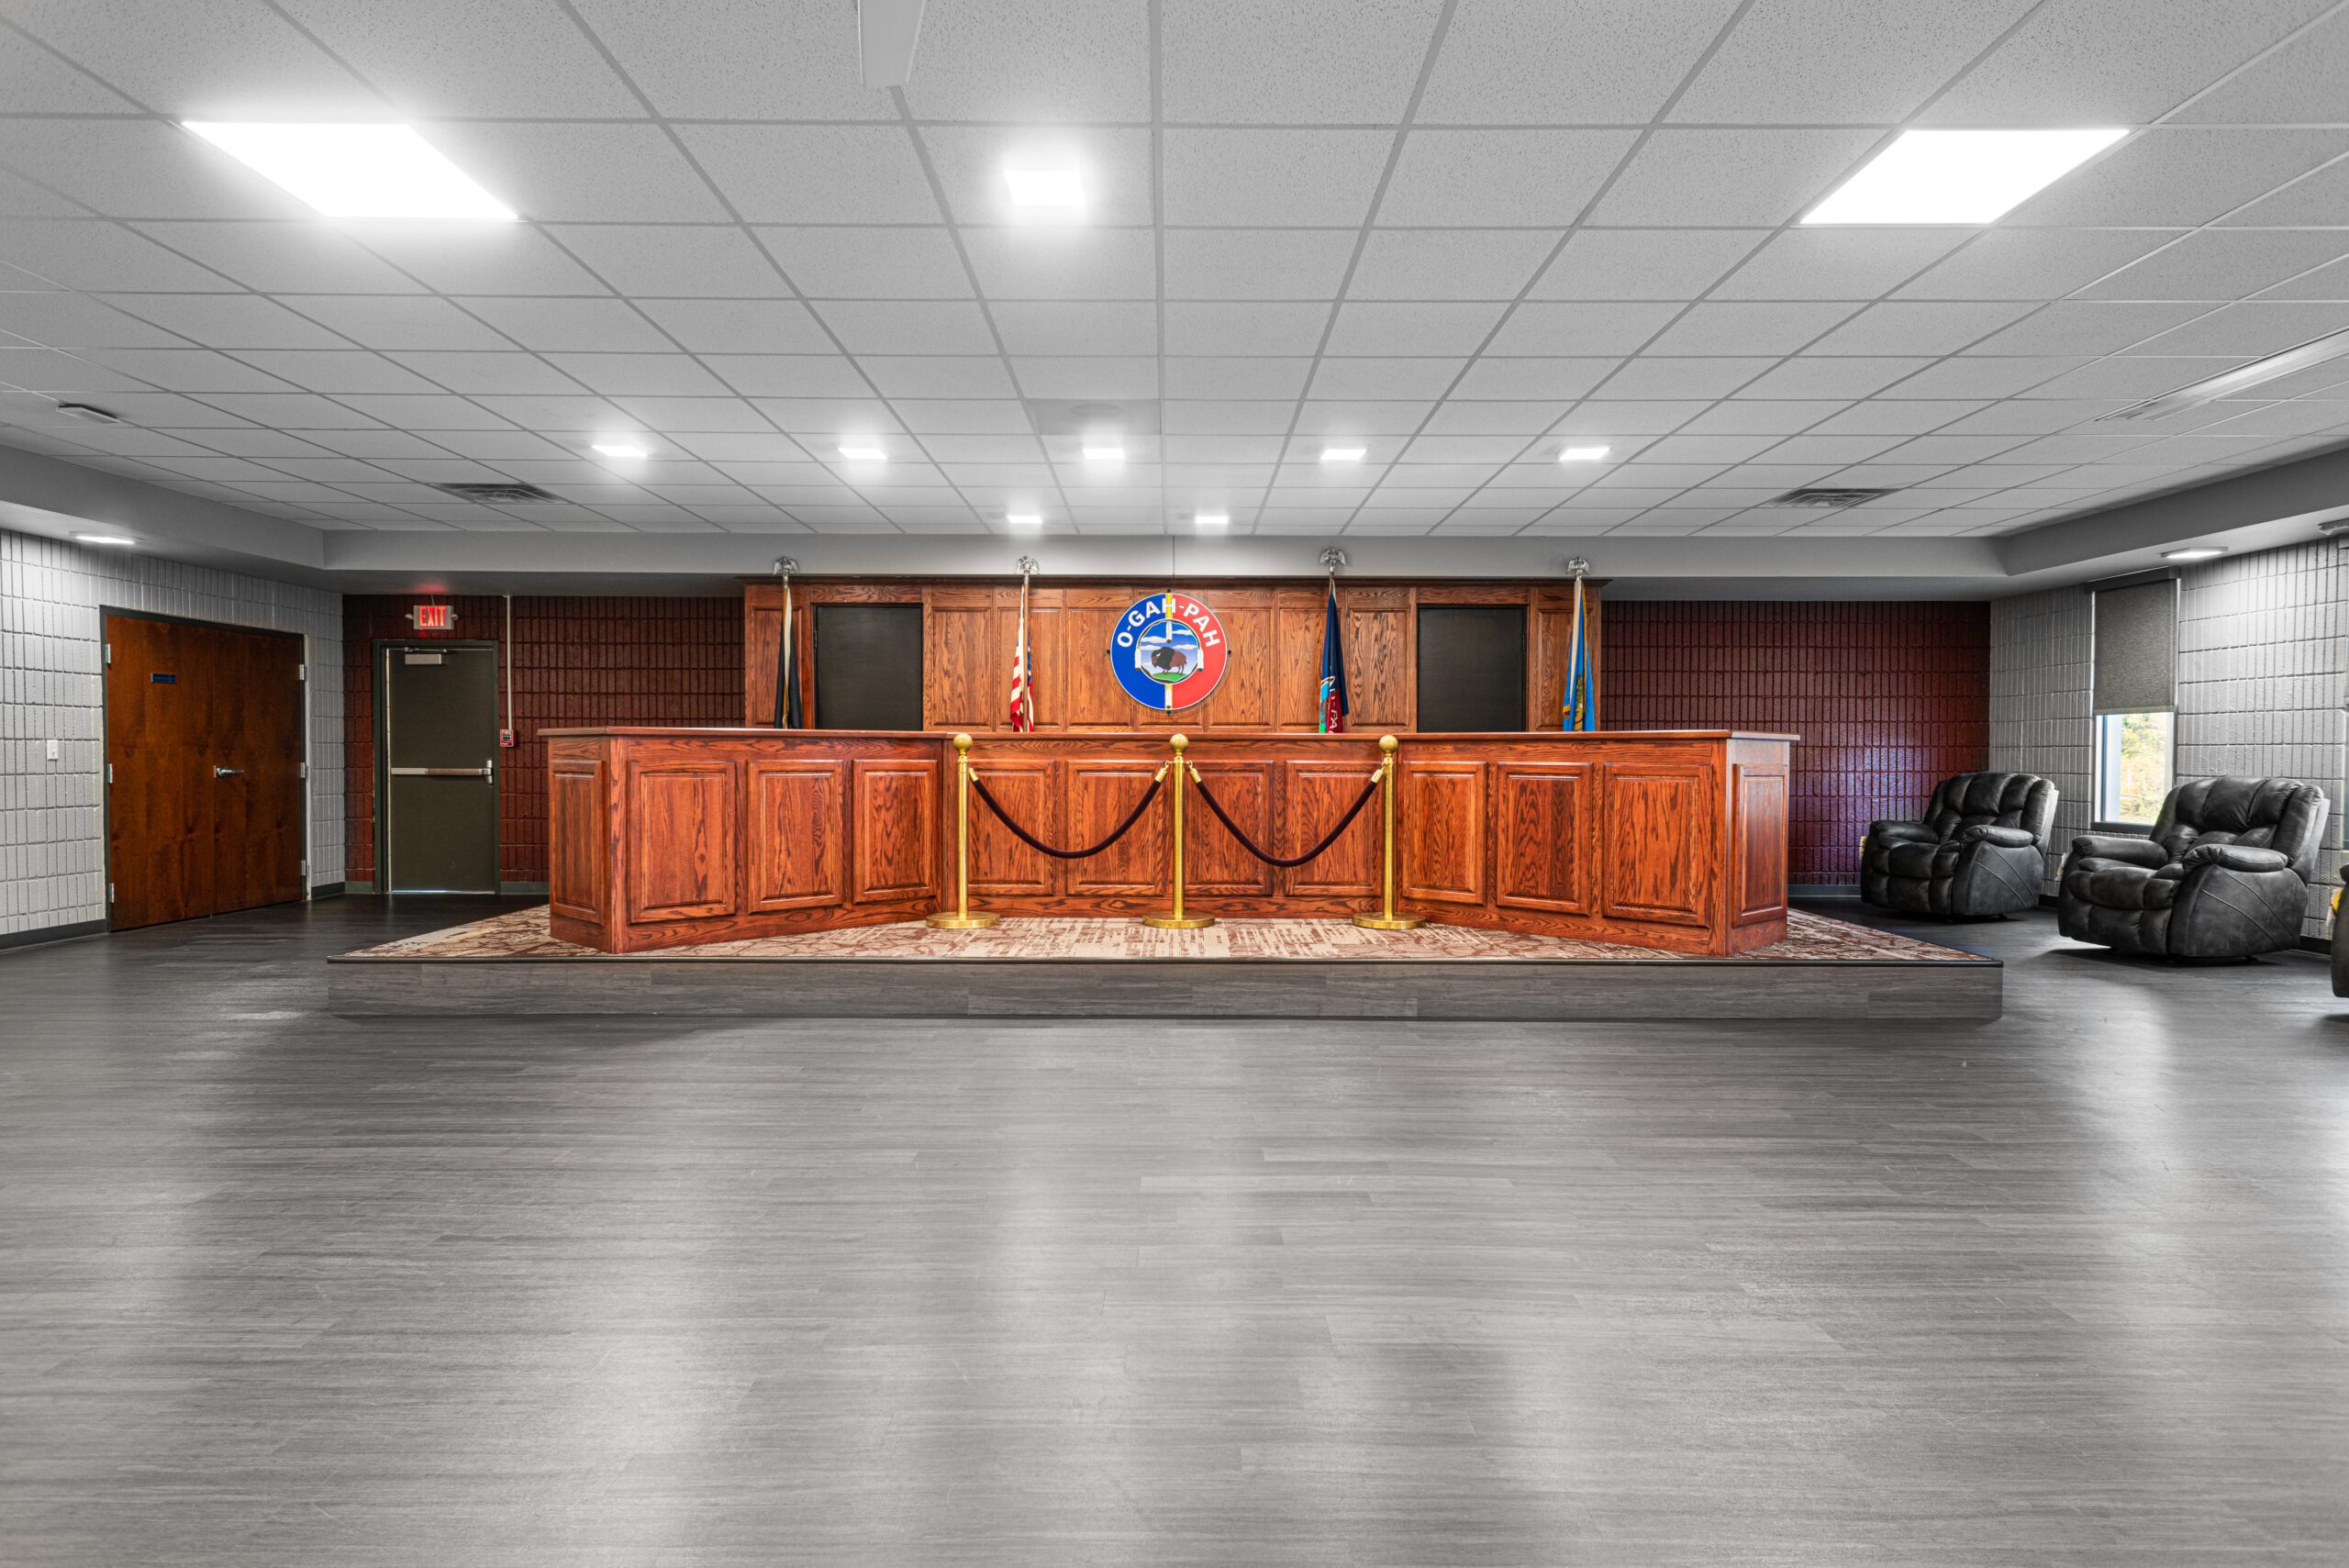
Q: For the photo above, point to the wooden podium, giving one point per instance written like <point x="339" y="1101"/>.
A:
<point x="1668" y="839"/>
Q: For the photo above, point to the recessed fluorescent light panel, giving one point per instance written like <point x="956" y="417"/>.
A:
<point x="1343" y="454"/>
<point x="119" y="539"/>
<point x="1025" y="522"/>
<point x="2194" y="552"/>
<point x="1582" y="454"/>
<point x="358" y="171"/>
<point x="860" y="451"/>
<point x="1104" y="454"/>
<point x="1959" y="176"/>
<point x="621" y="448"/>
<point x="1046" y="193"/>
<point x="1212" y="519"/>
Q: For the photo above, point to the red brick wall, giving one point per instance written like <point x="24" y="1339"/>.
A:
<point x="1889" y="699"/>
<point x="576" y="662"/>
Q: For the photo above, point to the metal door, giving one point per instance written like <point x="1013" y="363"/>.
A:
<point x="435" y="705"/>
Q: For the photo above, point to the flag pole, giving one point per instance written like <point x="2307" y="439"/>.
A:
<point x="786" y="667"/>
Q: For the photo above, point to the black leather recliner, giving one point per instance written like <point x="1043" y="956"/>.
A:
<point x="2225" y="873"/>
<point x="1981" y="850"/>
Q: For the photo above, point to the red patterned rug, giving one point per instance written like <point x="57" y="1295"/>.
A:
<point x="1811" y="938"/>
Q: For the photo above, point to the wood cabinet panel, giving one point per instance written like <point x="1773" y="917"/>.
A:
<point x="1662" y="834"/>
<point x="1216" y="863"/>
<point x="578" y="832"/>
<point x="682" y="864"/>
<point x="1296" y="666"/>
<point x="1381" y="657"/>
<point x="1313" y="795"/>
<point x="1243" y="698"/>
<point x="1000" y="864"/>
<point x="1091" y="698"/>
<point x="967" y="665"/>
<point x="894" y="831"/>
<point x="1541" y="837"/>
<point x="1439" y="829"/>
<point x="798" y="833"/>
<point x="1761" y="848"/>
<point x="1101" y="791"/>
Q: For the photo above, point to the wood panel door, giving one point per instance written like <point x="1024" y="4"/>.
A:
<point x="204" y="749"/>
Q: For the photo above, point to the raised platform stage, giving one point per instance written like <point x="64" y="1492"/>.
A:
<point x="1049" y="967"/>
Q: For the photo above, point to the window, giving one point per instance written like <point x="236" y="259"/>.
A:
<point x="2133" y="753"/>
<point x="2135" y="699"/>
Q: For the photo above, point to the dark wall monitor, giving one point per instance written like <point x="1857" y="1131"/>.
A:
<point x="868" y="667"/>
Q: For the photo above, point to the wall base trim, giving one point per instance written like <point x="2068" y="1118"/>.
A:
<point x="325" y="889"/>
<point x="47" y="934"/>
<point x="1822" y="890"/>
<point x="362" y="889"/>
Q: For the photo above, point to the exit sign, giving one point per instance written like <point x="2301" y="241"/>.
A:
<point x="433" y="618"/>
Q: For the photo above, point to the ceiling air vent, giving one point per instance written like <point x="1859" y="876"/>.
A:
<point x="497" y="495"/>
<point x="1826" y="497"/>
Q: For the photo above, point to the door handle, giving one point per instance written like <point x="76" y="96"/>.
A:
<point x="219" y="773"/>
<point x="480" y="772"/>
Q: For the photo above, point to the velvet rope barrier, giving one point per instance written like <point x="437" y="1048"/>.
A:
<point x="1041" y="848"/>
<point x="1250" y="844"/>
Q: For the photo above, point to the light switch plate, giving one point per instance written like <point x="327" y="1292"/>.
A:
<point x="52" y="751"/>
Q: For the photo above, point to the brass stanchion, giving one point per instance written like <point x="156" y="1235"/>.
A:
<point x="1387" y="919"/>
<point x="962" y="919"/>
<point x="1174" y="919"/>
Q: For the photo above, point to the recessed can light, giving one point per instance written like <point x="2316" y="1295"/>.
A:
<point x="1212" y="519"/>
<point x="1045" y="190"/>
<point x="1959" y="176"/>
<point x="1343" y="454"/>
<point x="864" y="453"/>
<point x="358" y="171"/>
<point x="620" y="449"/>
<point x="119" y="541"/>
<point x="1104" y="454"/>
<point x="1024" y="522"/>
<point x="1582" y="454"/>
<point x="2194" y="552"/>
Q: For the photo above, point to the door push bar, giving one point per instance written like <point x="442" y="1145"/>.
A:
<point x="483" y="771"/>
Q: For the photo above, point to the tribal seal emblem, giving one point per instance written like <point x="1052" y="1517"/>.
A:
<point x="1168" y="651"/>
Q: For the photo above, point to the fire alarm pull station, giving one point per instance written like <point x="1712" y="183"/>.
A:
<point x="506" y="738"/>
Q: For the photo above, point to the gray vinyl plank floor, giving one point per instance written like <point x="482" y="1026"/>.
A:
<point x="279" y="1288"/>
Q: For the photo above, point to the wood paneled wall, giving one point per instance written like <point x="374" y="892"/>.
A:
<point x="1274" y="631"/>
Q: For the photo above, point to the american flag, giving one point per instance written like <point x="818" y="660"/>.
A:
<point x="1024" y="670"/>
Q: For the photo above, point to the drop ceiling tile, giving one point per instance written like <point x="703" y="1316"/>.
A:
<point x="815" y="173"/>
<point x="1220" y="328"/>
<point x="1464" y="448"/>
<point x="1518" y="419"/>
<point x="1983" y="377"/>
<point x="779" y="475"/>
<point x="1113" y="165"/>
<point x="1535" y="63"/>
<point x="1673" y="379"/>
<point x="1221" y="377"/>
<point x="1709" y="178"/>
<point x="123" y="440"/>
<point x="1838" y="263"/>
<point x="963" y="415"/>
<point x="1815" y="376"/>
<point x="668" y="415"/>
<point x="285" y="411"/>
<point x="1226" y="417"/>
<point x="1302" y="265"/>
<point x="2252" y="330"/>
<point x="2080" y="327"/>
<point x="1919" y="327"/>
<point x="539" y="411"/>
<point x="1499" y="178"/>
<point x="407" y="412"/>
<point x="1531" y="379"/>
<point x="2125" y="379"/>
<point x="582" y="326"/>
<point x="2166" y="176"/>
<point x="758" y="446"/>
<point x="477" y="257"/>
<point x="1950" y="449"/>
<point x="1364" y="417"/>
<point x="1746" y="327"/>
<point x="337" y="371"/>
<point x="228" y="59"/>
<point x="306" y="257"/>
<point x="826" y="419"/>
<point x="580" y="171"/>
<point x="1675" y="264"/>
<point x="2036" y="264"/>
<point x="751" y="60"/>
<point x="1762" y="418"/>
<point x="21" y="199"/>
<point x="2064" y="54"/>
<point x="662" y="259"/>
<point x="870" y="263"/>
<point x="1800" y="61"/>
<point x="739" y="326"/>
<point x="1306" y="63"/>
<point x="1384" y="378"/>
<point x="1077" y="327"/>
<point x="1449" y="328"/>
<point x="1579" y="329"/>
<point x="378" y="321"/>
<point x="55" y="371"/>
<point x="2326" y="282"/>
<point x="1064" y="264"/>
<point x="141" y="169"/>
<point x="102" y="258"/>
<point x="1828" y="449"/>
<point x="452" y="59"/>
<point x="1904" y="419"/>
<point x="967" y="449"/>
<point x="2220" y="264"/>
<point x="65" y="321"/>
<point x="1037" y="61"/>
<point x="909" y="326"/>
<point x="656" y="375"/>
<point x="1109" y="379"/>
<point x="1291" y="178"/>
<point x="507" y="446"/>
<point x="924" y="375"/>
<point x="2328" y="417"/>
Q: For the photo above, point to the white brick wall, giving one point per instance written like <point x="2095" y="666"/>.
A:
<point x="2263" y="672"/>
<point x="53" y="821"/>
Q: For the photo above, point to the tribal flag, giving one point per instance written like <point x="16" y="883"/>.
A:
<point x="1580" y="707"/>
<point x="1334" y="668"/>
<point x="787" y="714"/>
<point x="1024" y="670"/>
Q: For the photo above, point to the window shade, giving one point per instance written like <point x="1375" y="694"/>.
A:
<point x="2136" y="647"/>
